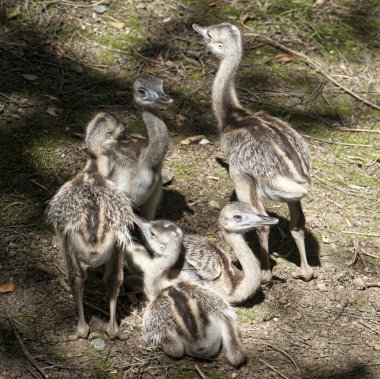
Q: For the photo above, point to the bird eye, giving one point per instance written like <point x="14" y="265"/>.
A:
<point x="162" y="247"/>
<point x="141" y="92"/>
<point x="238" y="218"/>
<point x="108" y="136"/>
<point x="220" y="45"/>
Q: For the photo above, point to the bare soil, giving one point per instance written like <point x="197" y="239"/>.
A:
<point x="61" y="62"/>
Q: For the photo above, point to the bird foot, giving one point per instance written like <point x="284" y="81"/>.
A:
<point x="266" y="277"/>
<point x="82" y="332"/>
<point x="115" y="333"/>
<point x="305" y="274"/>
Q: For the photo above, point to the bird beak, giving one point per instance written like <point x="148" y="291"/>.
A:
<point x="141" y="223"/>
<point x="164" y="98"/>
<point x="202" y="31"/>
<point x="257" y="220"/>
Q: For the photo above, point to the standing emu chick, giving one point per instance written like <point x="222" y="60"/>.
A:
<point x="92" y="221"/>
<point x="138" y="164"/>
<point x="183" y="317"/>
<point x="215" y="268"/>
<point x="267" y="158"/>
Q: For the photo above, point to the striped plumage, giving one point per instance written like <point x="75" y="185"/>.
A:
<point x="92" y="220"/>
<point x="215" y="268"/>
<point x="182" y="316"/>
<point x="267" y="158"/>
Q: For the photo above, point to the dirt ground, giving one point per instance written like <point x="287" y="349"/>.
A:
<point x="62" y="62"/>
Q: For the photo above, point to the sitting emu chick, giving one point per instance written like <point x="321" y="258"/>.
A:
<point x="138" y="163"/>
<point x="214" y="267"/>
<point x="183" y="317"/>
<point x="92" y="221"/>
<point x="267" y="158"/>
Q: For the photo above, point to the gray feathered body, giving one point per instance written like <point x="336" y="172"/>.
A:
<point x="91" y="217"/>
<point x="191" y="313"/>
<point x="267" y="151"/>
<point x="213" y="266"/>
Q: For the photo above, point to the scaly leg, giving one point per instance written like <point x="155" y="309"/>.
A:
<point x="76" y="273"/>
<point x="114" y="277"/>
<point x="247" y="191"/>
<point x="297" y="229"/>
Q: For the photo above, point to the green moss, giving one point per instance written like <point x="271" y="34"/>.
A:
<point x="244" y="315"/>
<point x="180" y="170"/>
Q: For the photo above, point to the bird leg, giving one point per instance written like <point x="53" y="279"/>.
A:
<point x="263" y="235"/>
<point x="77" y="276"/>
<point x="114" y="277"/>
<point x="297" y="229"/>
<point x="234" y="352"/>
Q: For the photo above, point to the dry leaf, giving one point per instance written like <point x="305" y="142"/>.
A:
<point x="192" y="139"/>
<point x="211" y="3"/>
<point x="52" y="111"/>
<point x="284" y="58"/>
<point x="15" y="13"/>
<point x="118" y="25"/>
<point x="246" y="17"/>
<point x="30" y="77"/>
<point x="8" y="286"/>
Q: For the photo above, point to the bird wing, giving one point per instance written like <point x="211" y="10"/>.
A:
<point x="202" y="256"/>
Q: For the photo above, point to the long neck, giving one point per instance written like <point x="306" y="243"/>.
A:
<point x="250" y="265"/>
<point x="156" y="277"/>
<point x="223" y="91"/>
<point x="158" y="139"/>
<point x="99" y="164"/>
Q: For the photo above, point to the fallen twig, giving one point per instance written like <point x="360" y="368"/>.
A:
<point x="357" y="130"/>
<point x="368" y="327"/>
<point x="337" y="143"/>
<point x="340" y="312"/>
<point x="372" y="284"/>
<point x="28" y="356"/>
<point x="286" y="355"/>
<point x="39" y="185"/>
<point x="200" y="372"/>
<point x="361" y="233"/>
<point x="274" y="369"/>
<point x="311" y="64"/>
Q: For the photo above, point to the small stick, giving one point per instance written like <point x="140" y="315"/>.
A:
<point x="12" y="204"/>
<point x="39" y="185"/>
<point x="286" y="355"/>
<point x="28" y="356"/>
<point x="372" y="284"/>
<point x="369" y="327"/>
<point x="311" y="64"/>
<point x="357" y="130"/>
<point x="337" y="143"/>
<point x="200" y="372"/>
<point x="273" y="368"/>
<point x="361" y="233"/>
<point x="370" y="255"/>
<point x="341" y="310"/>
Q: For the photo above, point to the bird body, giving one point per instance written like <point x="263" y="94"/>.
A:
<point x="92" y="221"/>
<point x="267" y="157"/>
<point x="215" y="268"/>
<point x="182" y="316"/>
